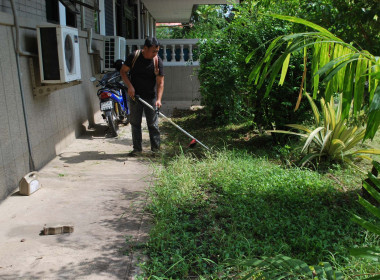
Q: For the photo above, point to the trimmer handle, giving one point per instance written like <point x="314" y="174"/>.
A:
<point x="136" y="98"/>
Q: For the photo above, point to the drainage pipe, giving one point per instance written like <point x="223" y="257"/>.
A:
<point x="18" y="46"/>
<point x="18" y="53"/>
<point x="89" y="41"/>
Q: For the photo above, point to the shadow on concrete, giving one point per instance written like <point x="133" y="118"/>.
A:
<point x="114" y="258"/>
<point x="94" y="131"/>
<point x="78" y="157"/>
<point x="17" y="193"/>
<point x="98" y="130"/>
<point x="103" y="194"/>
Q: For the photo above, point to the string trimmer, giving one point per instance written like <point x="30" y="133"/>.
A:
<point x="193" y="142"/>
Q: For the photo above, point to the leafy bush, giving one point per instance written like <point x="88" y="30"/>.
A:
<point x="353" y="21"/>
<point x="208" y="21"/>
<point x="224" y="74"/>
<point x="224" y="91"/>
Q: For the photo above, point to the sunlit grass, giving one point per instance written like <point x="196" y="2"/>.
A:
<point x="239" y="201"/>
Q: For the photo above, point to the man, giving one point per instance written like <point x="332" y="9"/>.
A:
<point x="146" y="74"/>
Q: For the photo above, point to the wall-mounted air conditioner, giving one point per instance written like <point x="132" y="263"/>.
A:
<point x="58" y="51"/>
<point x="114" y="49"/>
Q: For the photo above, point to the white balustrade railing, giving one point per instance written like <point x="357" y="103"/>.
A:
<point x="174" y="52"/>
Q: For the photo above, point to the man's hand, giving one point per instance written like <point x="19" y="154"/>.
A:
<point x="160" y="90"/>
<point x="131" y="92"/>
<point x="158" y="104"/>
<point x="123" y="73"/>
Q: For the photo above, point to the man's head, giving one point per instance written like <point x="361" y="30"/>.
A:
<point x="151" y="48"/>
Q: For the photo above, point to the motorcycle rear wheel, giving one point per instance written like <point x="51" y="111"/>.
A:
<point x="111" y="122"/>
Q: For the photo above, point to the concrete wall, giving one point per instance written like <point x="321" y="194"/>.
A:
<point x="31" y="9"/>
<point x="54" y="120"/>
<point x="181" y="88"/>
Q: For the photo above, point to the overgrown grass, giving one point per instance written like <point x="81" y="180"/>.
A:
<point x="241" y="136"/>
<point x="213" y="209"/>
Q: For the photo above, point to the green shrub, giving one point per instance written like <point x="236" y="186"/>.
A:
<point x="224" y="75"/>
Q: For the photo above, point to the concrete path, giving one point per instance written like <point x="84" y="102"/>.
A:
<point x="94" y="186"/>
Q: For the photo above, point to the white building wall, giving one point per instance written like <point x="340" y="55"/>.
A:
<point x="54" y="120"/>
<point x="13" y="161"/>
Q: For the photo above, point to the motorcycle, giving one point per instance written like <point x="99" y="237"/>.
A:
<point x="113" y="102"/>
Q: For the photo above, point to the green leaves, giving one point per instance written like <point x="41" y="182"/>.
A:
<point x="307" y="23"/>
<point x="360" y="80"/>
<point x="365" y="224"/>
<point x="374" y="114"/>
<point x="331" y="136"/>
<point x="371" y="253"/>
<point x="344" y="69"/>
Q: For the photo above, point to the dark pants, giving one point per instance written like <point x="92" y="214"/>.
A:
<point x="136" y="112"/>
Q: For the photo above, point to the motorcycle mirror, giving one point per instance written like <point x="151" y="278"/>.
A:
<point x="92" y="79"/>
<point x="118" y="64"/>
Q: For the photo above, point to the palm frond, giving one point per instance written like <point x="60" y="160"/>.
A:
<point x="370" y="253"/>
<point x="343" y="68"/>
<point x="313" y="137"/>
<point x="300" y="127"/>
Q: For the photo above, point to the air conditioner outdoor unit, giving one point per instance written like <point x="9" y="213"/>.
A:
<point x="114" y="49"/>
<point x="58" y="51"/>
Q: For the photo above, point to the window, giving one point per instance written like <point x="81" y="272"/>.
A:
<point x="61" y="12"/>
<point x="96" y="22"/>
<point x="52" y="11"/>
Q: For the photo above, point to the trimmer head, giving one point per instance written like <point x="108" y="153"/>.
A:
<point x="192" y="143"/>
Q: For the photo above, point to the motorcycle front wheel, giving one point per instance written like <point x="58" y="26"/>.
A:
<point x="111" y="122"/>
<point x="126" y="119"/>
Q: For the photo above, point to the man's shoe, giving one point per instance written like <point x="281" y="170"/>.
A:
<point x="156" y="152"/>
<point x="135" y="153"/>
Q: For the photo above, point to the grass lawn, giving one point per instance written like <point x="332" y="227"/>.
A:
<point x="246" y="199"/>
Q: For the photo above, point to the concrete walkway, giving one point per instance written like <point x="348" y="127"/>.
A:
<point x="94" y="186"/>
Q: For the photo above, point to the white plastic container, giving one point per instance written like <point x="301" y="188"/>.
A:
<point x="29" y="183"/>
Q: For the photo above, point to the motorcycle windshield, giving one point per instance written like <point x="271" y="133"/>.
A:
<point x="110" y="76"/>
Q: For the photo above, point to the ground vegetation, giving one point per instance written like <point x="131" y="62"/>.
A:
<point x="247" y="209"/>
